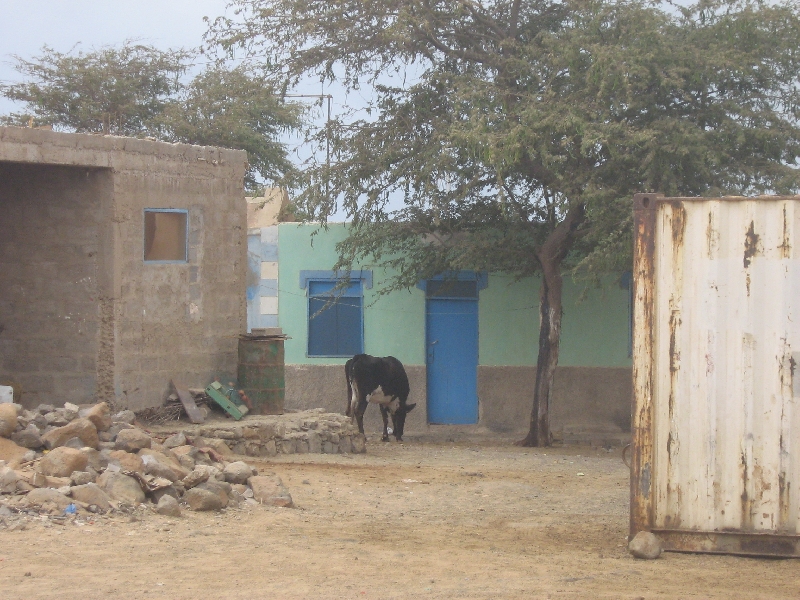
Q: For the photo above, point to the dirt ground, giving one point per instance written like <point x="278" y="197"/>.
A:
<point x="421" y="519"/>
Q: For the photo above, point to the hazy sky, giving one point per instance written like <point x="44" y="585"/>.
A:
<point x="27" y="25"/>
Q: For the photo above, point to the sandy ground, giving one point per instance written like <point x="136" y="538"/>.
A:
<point x="413" y="520"/>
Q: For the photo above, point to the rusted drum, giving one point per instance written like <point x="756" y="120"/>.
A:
<point x="261" y="372"/>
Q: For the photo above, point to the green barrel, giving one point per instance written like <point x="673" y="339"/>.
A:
<point x="261" y="372"/>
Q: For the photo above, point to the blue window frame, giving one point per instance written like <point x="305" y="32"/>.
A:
<point x="335" y="319"/>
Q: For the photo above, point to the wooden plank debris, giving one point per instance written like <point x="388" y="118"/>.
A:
<point x="195" y="416"/>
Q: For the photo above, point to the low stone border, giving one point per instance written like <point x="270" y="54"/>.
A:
<point x="310" y="431"/>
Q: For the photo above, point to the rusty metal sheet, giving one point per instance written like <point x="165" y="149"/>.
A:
<point x="716" y="344"/>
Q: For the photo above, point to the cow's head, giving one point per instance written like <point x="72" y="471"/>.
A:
<point x="399" y="420"/>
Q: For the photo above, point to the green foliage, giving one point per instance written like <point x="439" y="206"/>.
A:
<point x="518" y="113"/>
<point x="234" y="109"/>
<point x="111" y="88"/>
<point x="138" y="90"/>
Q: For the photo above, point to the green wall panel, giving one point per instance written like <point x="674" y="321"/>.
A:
<point x="394" y="324"/>
<point x="595" y="330"/>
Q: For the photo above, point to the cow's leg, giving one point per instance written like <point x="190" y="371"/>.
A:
<point x="358" y="411"/>
<point x="355" y="394"/>
<point x="347" y="369"/>
<point x="395" y="428"/>
<point x="385" y="415"/>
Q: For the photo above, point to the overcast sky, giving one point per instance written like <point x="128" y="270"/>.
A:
<point x="27" y="25"/>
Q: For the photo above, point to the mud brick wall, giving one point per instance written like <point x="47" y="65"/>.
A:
<point x="82" y="316"/>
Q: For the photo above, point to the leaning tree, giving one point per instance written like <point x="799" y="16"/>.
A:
<point x="510" y="135"/>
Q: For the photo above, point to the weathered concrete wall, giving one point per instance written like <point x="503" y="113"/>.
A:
<point x="179" y="319"/>
<point x="590" y="404"/>
<point x="324" y="386"/>
<point x="156" y="321"/>
<point x="52" y="243"/>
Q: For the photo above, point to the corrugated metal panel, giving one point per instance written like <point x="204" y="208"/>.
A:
<point x="717" y="429"/>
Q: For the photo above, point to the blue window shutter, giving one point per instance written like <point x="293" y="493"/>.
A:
<point x="335" y="329"/>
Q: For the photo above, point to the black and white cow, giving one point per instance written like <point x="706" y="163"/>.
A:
<point x="365" y="374"/>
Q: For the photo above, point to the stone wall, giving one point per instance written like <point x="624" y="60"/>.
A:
<point x="145" y="322"/>
<point x="310" y="431"/>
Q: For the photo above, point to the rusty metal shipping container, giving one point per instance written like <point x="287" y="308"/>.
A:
<point x="716" y="413"/>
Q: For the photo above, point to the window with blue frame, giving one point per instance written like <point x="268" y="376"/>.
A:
<point x="335" y="318"/>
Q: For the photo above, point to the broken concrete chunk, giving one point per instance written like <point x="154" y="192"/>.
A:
<point x="121" y="487"/>
<point x="43" y="496"/>
<point x="62" y="461"/>
<point x="201" y="499"/>
<point x="82" y="478"/>
<point x="100" y="415"/>
<point x="175" y="440"/>
<point x="28" y="437"/>
<point x="57" y="418"/>
<point x="269" y="490"/>
<point x="8" y="419"/>
<point x="9" y="479"/>
<point x="91" y="493"/>
<point x="126" y="461"/>
<point x="96" y="460"/>
<point x="83" y="429"/>
<point x="132" y="440"/>
<point x="125" y="416"/>
<point x="216" y="487"/>
<point x="200" y="474"/>
<point x="75" y="442"/>
<point x="238" y="472"/>
<point x="12" y="453"/>
<point x="215" y="444"/>
<point x="167" y="505"/>
<point x="159" y="465"/>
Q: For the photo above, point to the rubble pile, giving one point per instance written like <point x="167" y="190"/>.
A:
<point x="82" y="458"/>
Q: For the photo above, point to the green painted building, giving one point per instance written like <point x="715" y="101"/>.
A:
<point x="469" y="347"/>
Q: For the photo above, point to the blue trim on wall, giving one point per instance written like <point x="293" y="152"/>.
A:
<point x="363" y="275"/>
<point x="481" y="277"/>
<point x="268" y="288"/>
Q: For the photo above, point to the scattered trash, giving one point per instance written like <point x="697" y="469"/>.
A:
<point x="71" y="510"/>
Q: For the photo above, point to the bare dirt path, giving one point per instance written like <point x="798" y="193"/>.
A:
<point x="413" y="520"/>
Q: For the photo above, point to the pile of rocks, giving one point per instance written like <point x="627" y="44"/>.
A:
<point x="84" y="458"/>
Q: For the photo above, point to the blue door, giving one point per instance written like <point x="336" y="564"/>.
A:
<point x="452" y="359"/>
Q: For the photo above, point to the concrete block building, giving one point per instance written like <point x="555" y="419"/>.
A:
<point x="122" y="266"/>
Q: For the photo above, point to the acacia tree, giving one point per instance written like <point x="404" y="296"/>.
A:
<point x="525" y="127"/>
<point x="139" y="90"/>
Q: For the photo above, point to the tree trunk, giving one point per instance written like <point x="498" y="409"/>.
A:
<point x="550" y="256"/>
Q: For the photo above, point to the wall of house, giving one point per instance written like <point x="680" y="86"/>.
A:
<point x="150" y="322"/>
<point x="179" y="320"/>
<point x="593" y="382"/>
<point x="53" y="237"/>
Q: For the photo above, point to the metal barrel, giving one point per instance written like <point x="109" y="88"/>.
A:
<point x="261" y="372"/>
